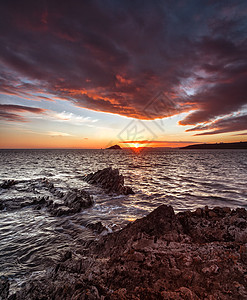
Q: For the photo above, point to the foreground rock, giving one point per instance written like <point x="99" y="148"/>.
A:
<point x="191" y="255"/>
<point x="110" y="180"/>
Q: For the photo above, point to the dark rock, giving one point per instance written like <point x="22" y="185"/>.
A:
<point x="161" y="256"/>
<point x="62" y="203"/>
<point x="73" y="202"/>
<point x="2" y="206"/>
<point x="157" y="223"/>
<point x="199" y="212"/>
<point x="40" y="200"/>
<point x="7" y="184"/>
<point x="110" y="180"/>
<point x="115" y="147"/>
<point x="38" y="207"/>
<point x="212" y="214"/>
<point x="70" y="202"/>
<point x="18" y="203"/>
<point x="97" y="227"/>
<point x="77" y="199"/>
<point x="4" y="288"/>
<point x="67" y="255"/>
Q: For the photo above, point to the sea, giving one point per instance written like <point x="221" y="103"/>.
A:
<point x="32" y="240"/>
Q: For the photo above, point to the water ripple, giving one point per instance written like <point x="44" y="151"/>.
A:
<point x="31" y="239"/>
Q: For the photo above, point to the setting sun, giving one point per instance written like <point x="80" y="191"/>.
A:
<point x="136" y="145"/>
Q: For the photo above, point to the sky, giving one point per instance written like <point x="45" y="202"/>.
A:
<point x="90" y="74"/>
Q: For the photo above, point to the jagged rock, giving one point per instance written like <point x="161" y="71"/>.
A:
<point x="67" y="255"/>
<point x="7" y="184"/>
<point x="2" y="205"/>
<point x="40" y="200"/>
<point x="4" y="288"/>
<point x="97" y="227"/>
<point x="110" y="180"/>
<point x="161" y="256"/>
<point x="62" y="203"/>
<point x="77" y="199"/>
<point x="73" y="202"/>
<point x="18" y="203"/>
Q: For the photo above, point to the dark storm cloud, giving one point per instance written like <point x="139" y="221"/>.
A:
<point x="229" y="124"/>
<point x="9" y="112"/>
<point x="115" y="56"/>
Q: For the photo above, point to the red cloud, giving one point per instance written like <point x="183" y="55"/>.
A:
<point x="230" y="124"/>
<point x="116" y="56"/>
<point x="7" y="109"/>
<point x="11" y="117"/>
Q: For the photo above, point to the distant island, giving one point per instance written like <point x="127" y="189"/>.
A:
<point x="239" y="145"/>
<point x="115" y="147"/>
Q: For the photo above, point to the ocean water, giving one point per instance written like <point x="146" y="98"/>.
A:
<point x="31" y="240"/>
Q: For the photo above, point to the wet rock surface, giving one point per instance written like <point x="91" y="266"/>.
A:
<point x="57" y="201"/>
<point x="4" y="288"/>
<point x="97" y="227"/>
<point x="189" y="255"/>
<point x="110" y="180"/>
<point x="7" y="184"/>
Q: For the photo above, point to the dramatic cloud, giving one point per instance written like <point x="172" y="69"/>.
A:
<point x="11" y="117"/>
<point x="230" y="124"/>
<point x="116" y="56"/>
<point x="6" y="112"/>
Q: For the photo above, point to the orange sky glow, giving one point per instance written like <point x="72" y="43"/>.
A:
<point x="91" y="75"/>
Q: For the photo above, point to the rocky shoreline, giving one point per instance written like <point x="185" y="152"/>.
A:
<point x="189" y="255"/>
<point x="58" y="201"/>
<point x="43" y="194"/>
